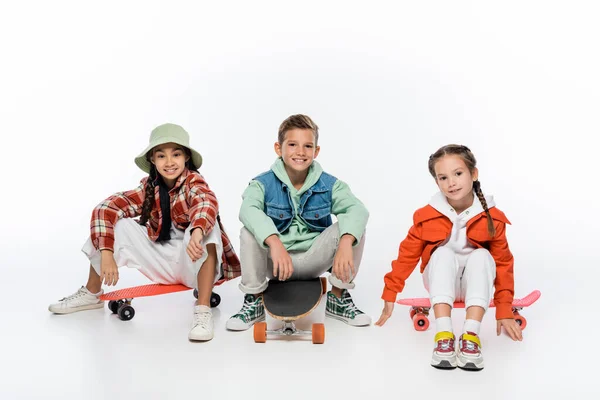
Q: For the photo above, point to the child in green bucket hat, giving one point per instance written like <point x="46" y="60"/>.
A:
<point x="179" y="238"/>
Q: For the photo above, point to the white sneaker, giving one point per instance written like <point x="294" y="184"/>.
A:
<point x="203" y="327"/>
<point x="81" y="300"/>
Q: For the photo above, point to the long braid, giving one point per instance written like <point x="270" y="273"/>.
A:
<point x="479" y="193"/>
<point x="149" y="199"/>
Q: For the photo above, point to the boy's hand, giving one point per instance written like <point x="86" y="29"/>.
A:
<point x="343" y="263"/>
<point x="512" y="328"/>
<point x="109" y="272"/>
<point x="194" y="247"/>
<point x="388" y="308"/>
<point x="282" y="262"/>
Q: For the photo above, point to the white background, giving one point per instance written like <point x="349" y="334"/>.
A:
<point x="83" y="83"/>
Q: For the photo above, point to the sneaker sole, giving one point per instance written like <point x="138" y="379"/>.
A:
<point x="244" y="327"/>
<point x="441" y="362"/>
<point x="73" y="310"/>
<point x="201" y="338"/>
<point x="444" y="364"/>
<point x="468" y="365"/>
<point x="343" y="319"/>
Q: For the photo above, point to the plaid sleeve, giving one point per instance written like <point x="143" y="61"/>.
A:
<point x="126" y="204"/>
<point x="203" y="204"/>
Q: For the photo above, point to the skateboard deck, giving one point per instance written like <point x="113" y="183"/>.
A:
<point x="154" y="289"/>
<point x="119" y="301"/>
<point x="288" y="301"/>
<point x="420" y="307"/>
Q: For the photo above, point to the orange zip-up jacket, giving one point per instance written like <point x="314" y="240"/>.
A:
<point x="430" y="229"/>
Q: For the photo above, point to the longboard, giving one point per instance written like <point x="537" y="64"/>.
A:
<point x="288" y="301"/>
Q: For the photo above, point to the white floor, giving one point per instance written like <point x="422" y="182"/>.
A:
<point x="94" y="355"/>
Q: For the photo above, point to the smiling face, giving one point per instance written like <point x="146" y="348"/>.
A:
<point x="455" y="180"/>
<point x="169" y="160"/>
<point x="298" y="151"/>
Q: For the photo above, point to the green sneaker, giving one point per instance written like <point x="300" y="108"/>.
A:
<point x="253" y="310"/>
<point x="345" y="310"/>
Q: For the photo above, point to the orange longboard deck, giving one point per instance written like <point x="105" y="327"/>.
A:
<point x="424" y="302"/>
<point x="153" y="289"/>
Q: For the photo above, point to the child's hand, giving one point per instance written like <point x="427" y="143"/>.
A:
<point x="343" y="263"/>
<point x="388" y="308"/>
<point x="109" y="272"/>
<point x="511" y="327"/>
<point x="282" y="262"/>
<point x="194" y="248"/>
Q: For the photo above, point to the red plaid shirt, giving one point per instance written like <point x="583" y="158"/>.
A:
<point x="192" y="201"/>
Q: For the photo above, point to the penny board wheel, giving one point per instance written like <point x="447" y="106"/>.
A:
<point x="421" y="322"/>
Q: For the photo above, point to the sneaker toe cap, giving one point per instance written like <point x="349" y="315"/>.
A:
<point x="236" y="324"/>
<point x="360" y="320"/>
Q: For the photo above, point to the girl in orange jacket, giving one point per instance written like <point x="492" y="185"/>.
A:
<point x="460" y="238"/>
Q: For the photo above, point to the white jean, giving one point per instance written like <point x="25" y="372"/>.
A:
<point x="449" y="278"/>
<point x="166" y="262"/>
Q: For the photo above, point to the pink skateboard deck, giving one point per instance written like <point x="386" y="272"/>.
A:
<point x="120" y="300"/>
<point x="420" y="307"/>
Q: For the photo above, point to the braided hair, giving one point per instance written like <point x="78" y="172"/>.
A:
<point x="467" y="156"/>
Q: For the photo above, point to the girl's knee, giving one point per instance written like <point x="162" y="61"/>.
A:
<point x="125" y="228"/>
<point x="443" y="256"/>
<point x="481" y="256"/>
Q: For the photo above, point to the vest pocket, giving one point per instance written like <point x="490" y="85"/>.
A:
<point x="279" y="214"/>
<point x="316" y="214"/>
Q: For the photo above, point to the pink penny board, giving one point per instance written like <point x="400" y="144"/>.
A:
<point x="420" y="307"/>
<point x="424" y="302"/>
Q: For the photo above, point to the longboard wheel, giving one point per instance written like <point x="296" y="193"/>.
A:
<point x="318" y="333"/>
<point x="125" y="312"/>
<point x="215" y="300"/>
<point x="260" y="332"/>
<point x="421" y="322"/>
<point x="113" y="306"/>
<point x="323" y="285"/>
<point x="196" y="293"/>
<point x="521" y="321"/>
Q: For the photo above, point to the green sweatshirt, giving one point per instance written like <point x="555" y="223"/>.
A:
<point x="350" y="212"/>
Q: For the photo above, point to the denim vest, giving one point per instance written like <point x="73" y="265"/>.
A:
<point x="314" y="208"/>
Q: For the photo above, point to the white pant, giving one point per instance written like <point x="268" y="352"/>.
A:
<point x="448" y="281"/>
<point x="166" y="262"/>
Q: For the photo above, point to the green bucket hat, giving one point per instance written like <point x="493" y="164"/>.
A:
<point x="167" y="133"/>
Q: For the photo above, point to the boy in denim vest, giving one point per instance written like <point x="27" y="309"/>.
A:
<point x="288" y="232"/>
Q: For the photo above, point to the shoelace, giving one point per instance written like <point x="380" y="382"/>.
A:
<point x="75" y="295"/>
<point x="445" y="344"/>
<point x="467" y="345"/>
<point x="350" y="306"/>
<point x="201" y="318"/>
<point x="246" y="307"/>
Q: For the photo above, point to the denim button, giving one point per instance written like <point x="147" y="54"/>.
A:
<point x="316" y="215"/>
